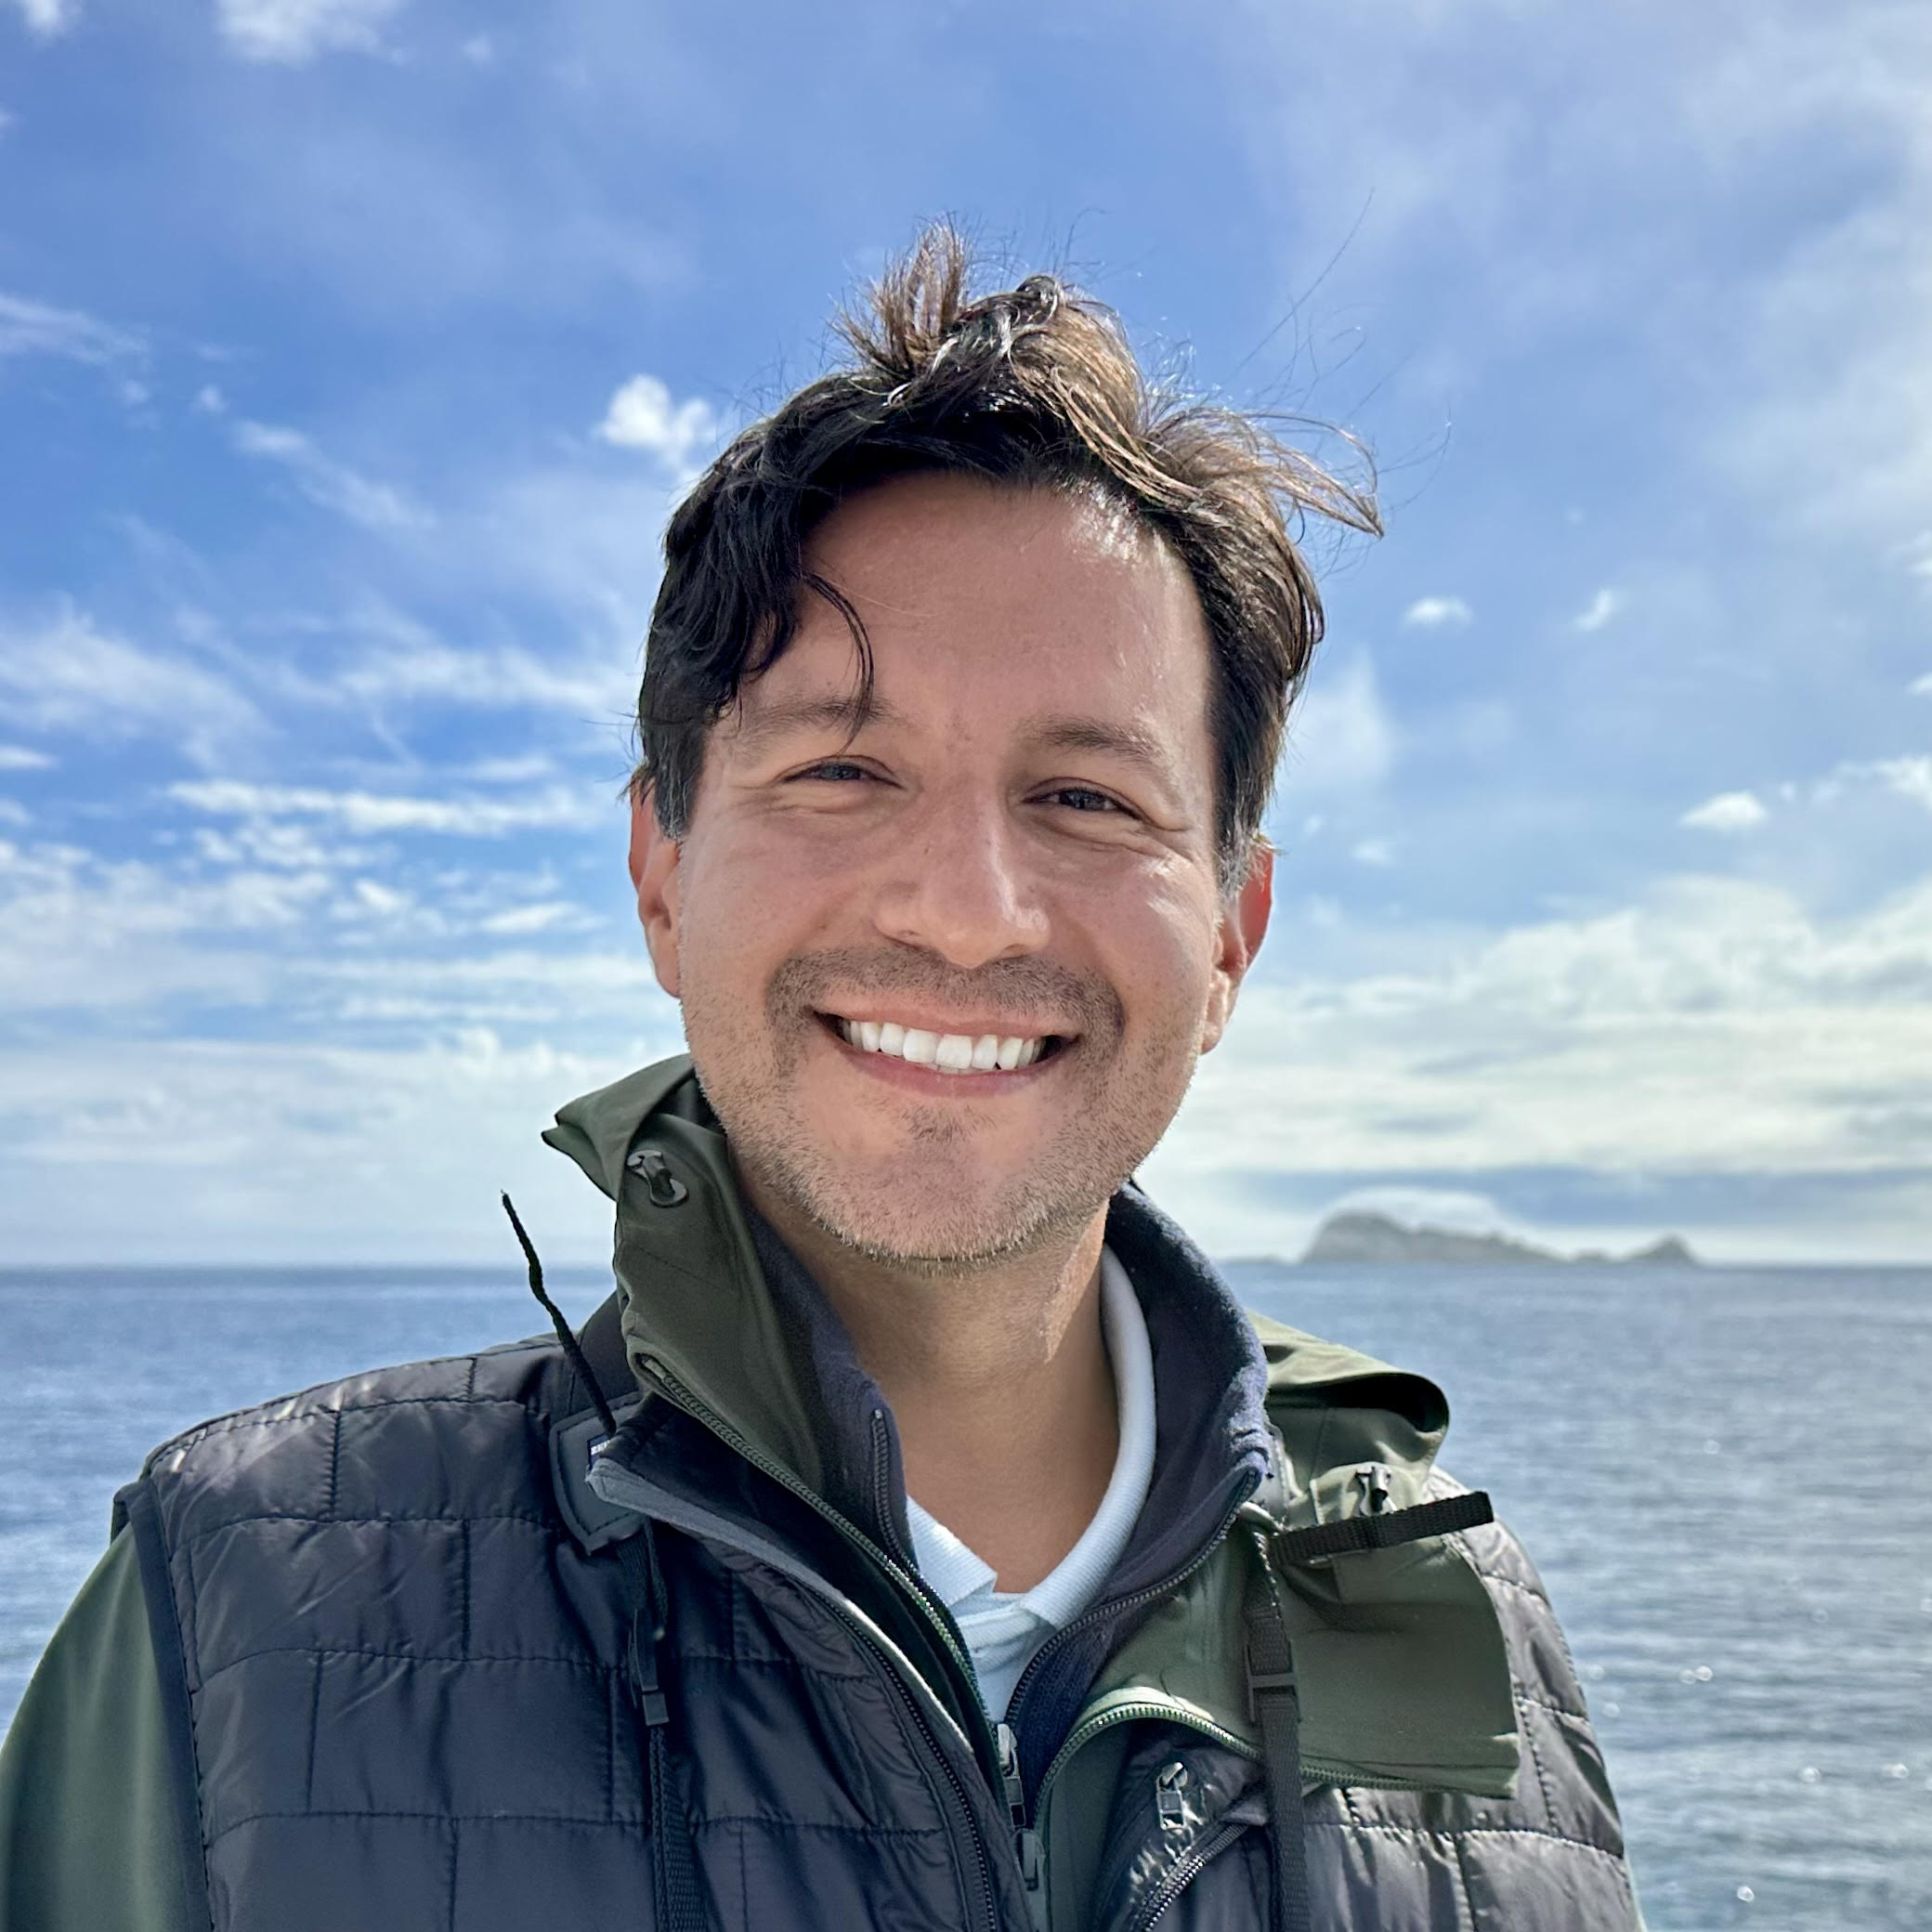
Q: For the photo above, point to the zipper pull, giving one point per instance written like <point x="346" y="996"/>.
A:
<point x="1169" y="1784"/>
<point x="1010" y="1774"/>
<point x="1374" y="1477"/>
<point x="1026" y="1845"/>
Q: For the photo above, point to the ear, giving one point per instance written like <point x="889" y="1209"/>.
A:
<point x="1244" y="921"/>
<point x="654" y="872"/>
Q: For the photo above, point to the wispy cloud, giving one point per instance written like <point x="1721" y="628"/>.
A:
<point x="295" y="31"/>
<point x="1431" y="613"/>
<point x="20" y="758"/>
<point x="67" y="674"/>
<point x="1598" y="611"/>
<point x="1728" y="812"/>
<point x="46" y="17"/>
<point x="330" y="485"/>
<point x="372" y="812"/>
<point x="1921" y="686"/>
<point x="1341" y="736"/>
<point x="643" y="416"/>
<point x="29" y="328"/>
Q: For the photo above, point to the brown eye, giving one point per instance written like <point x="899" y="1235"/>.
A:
<point x="1084" y="798"/>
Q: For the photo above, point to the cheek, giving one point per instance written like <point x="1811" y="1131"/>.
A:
<point x="1161" y="947"/>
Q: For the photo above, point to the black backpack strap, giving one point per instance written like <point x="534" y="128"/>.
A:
<point x="1274" y="1704"/>
<point x="1349" y="1536"/>
<point x="1275" y="1701"/>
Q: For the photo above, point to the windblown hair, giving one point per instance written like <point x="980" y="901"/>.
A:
<point x="1032" y="387"/>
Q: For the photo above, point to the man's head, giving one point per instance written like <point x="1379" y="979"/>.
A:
<point x="961" y="705"/>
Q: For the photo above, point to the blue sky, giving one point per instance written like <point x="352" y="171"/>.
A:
<point x="351" y="352"/>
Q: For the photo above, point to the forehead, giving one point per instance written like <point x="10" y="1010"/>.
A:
<point x="1057" y="596"/>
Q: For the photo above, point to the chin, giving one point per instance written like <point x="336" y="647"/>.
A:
<point x="929" y="1220"/>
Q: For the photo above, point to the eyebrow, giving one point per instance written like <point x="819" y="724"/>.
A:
<point x="786" y="716"/>
<point x="758" y="724"/>
<point x="1114" y="740"/>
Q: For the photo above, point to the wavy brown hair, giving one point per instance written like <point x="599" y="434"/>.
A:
<point x="1032" y="387"/>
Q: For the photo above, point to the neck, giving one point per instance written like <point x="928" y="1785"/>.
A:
<point x="999" y="1380"/>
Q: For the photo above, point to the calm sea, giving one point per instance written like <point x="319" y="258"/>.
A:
<point x="1725" y="1475"/>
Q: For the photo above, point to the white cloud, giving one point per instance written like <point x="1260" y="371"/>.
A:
<point x="209" y="399"/>
<point x="39" y="329"/>
<point x="1921" y="686"/>
<point x="532" y="918"/>
<point x="295" y="31"/>
<point x="641" y="415"/>
<point x="1432" y="612"/>
<point x="374" y="813"/>
<point x="330" y="485"/>
<point x="1598" y="612"/>
<point x="17" y="758"/>
<point x="1373" y="851"/>
<point x="1340" y="737"/>
<point x="46" y="17"/>
<point x="1909" y="778"/>
<point x="1728" y="812"/>
<point x="411" y="663"/>
<point x="1714" y="1028"/>
<point x="67" y="674"/>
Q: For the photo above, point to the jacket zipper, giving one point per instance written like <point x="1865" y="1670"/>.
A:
<point x="1185" y="1872"/>
<point x="683" y="1399"/>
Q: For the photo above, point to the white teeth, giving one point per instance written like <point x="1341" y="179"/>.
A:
<point x="954" y="1053"/>
<point x="948" y="1052"/>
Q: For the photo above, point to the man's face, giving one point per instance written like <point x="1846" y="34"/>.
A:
<point x="945" y="981"/>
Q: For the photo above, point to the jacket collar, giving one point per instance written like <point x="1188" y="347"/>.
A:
<point x="712" y="1301"/>
<point x="711" y="1304"/>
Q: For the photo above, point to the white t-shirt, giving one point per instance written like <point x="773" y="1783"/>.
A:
<point x="1003" y="1628"/>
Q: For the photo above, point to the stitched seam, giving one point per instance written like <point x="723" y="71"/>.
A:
<point x="463" y="1558"/>
<point x="470" y="1817"/>
<point x="239" y="1523"/>
<point x="1462" y="1886"/>
<point x="1468" y="1830"/>
<point x="730" y="1822"/>
<point x="741" y="1822"/>
<point x="1549" y="1803"/>
<point x="1509" y="1583"/>
<point x="305" y="1650"/>
<point x="229" y="1425"/>
<point x="315" y="1726"/>
<point x="1555" y="1710"/>
<point x="334" y="1464"/>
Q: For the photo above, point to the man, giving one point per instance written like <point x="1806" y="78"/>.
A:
<point x="922" y="1536"/>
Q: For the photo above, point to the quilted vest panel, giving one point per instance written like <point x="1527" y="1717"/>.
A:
<point x="407" y="1707"/>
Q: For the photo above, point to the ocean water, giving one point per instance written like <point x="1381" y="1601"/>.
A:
<point x="1725" y="1476"/>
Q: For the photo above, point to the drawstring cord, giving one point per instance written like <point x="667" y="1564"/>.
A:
<point x="573" y="1349"/>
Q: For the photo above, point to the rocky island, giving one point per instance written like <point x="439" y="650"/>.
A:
<point x="1356" y="1235"/>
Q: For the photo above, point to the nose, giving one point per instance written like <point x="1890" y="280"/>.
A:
<point x="958" y="886"/>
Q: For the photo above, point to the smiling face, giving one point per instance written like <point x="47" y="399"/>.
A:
<point x="944" y="980"/>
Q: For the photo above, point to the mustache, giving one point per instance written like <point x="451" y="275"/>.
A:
<point x="799" y="985"/>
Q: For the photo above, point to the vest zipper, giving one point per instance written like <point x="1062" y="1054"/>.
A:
<point x="1026" y="1845"/>
<point x="1185" y="1872"/>
<point x="683" y="1399"/>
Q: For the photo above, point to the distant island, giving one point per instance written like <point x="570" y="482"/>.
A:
<point x="1357" y="1237"/>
